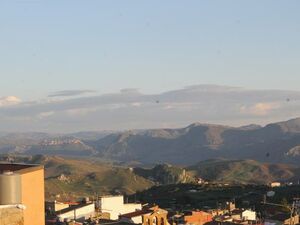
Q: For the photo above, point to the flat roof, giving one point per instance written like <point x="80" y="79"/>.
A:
<point x="113" y="222"/>
<point x="72" y="208"/>
<point x="136" y="213"/>
<point x="111" y="196"/>
<point x="19" y="167"/>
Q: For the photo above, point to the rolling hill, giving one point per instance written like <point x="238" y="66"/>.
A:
<point x="69" y="178"/>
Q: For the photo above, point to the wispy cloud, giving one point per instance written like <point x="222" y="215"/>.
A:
<point x="131" y="109"/>
<point x="9" y="100"/>
<point x="260" y="109"/>
<point x="68" y="93"/>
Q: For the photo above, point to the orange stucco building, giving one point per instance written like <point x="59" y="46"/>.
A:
<point x="198" y="218"/>
<point x="31" y="190"/>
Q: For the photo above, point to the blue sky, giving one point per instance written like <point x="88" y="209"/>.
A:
<point x="155" y="46"/>
<point x="63" y="63"/>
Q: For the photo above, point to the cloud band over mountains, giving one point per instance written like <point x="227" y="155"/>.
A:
<point x="130" y="109"/>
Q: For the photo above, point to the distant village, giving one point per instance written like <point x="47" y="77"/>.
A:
<point x="22" y="202"/>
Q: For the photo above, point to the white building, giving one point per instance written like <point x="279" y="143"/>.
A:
<point x="275" y="184"/>
<point x="134" y="217"/>
<point x="114" y="205"/>
<point x="55" y="206"/>
<point x="249" y="215"/>
<point x="78" y="213"/>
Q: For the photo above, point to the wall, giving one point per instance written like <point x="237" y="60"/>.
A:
<point x="60" y="206"/>
<point x="295" y="220"/>
<point x="11" y="216"/>
<point x="135" y="220"/>
<point x="128" y="208"/>
<point x="155" y="218"/>
<point x="112" y="205"/>
<point x="81" y="213"/>
<point x="115" y="206"/>
<point x="198" y="218"/>
<point x="249" y="215"/>
<point x="32" y="181"/>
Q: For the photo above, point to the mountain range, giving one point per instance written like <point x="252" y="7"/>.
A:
<point x="273" y="143"/>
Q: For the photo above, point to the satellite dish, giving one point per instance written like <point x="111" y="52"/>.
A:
<point x="270" y="193"/>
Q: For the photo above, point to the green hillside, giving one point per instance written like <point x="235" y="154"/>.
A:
<point x="243" y="171"/>
<point x="71" y="178"/>
<point x="67" y="178"/>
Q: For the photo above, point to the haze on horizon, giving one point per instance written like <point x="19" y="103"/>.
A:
<point x="71" y="65"/>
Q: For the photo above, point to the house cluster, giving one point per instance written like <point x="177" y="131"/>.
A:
<point x="282" y="184"/>
<point x="105" y="210"/>
<point x="22" y="203"/>
<point x="112" y="210"/>
<point x="227" y="214"/>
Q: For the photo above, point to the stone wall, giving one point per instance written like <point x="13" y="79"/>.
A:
<point x="11" y="216"/>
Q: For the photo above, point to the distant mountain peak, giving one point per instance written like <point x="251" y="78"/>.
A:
<point x="289" y="126"/>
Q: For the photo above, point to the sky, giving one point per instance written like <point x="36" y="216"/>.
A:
<point x="54" y="52"/>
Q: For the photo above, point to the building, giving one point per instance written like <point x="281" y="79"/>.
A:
<point x="217" y="212"/>
<point x="158" y="216"/>
<point x="11" y="215"/>
<point x="135" y="217"/>
<point x="114" y="205"/>
<point x="148" y="216"/>
<point x="249" y="215"/>
<point x="275" y="184"/>
<point x="23" y="184"/>
<point x="54" y="206"/>
<point x="230" y="206"/>
<point x="199" y="180"/>
<point x="79" y="212"/>
<point x="238" y="216"/>
<point x="197" y="217"/>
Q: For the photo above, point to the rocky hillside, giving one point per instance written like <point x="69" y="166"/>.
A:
<point x="164" y="174"/>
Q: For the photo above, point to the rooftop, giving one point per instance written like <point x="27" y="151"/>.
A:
<point x="20" y="168"/>
<point x="19" y="206"/>
<point x="71" y="208"/>
<point x="111" y="196"/>
<point x="113" y="222"/>
<point x="136" y="213"/>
